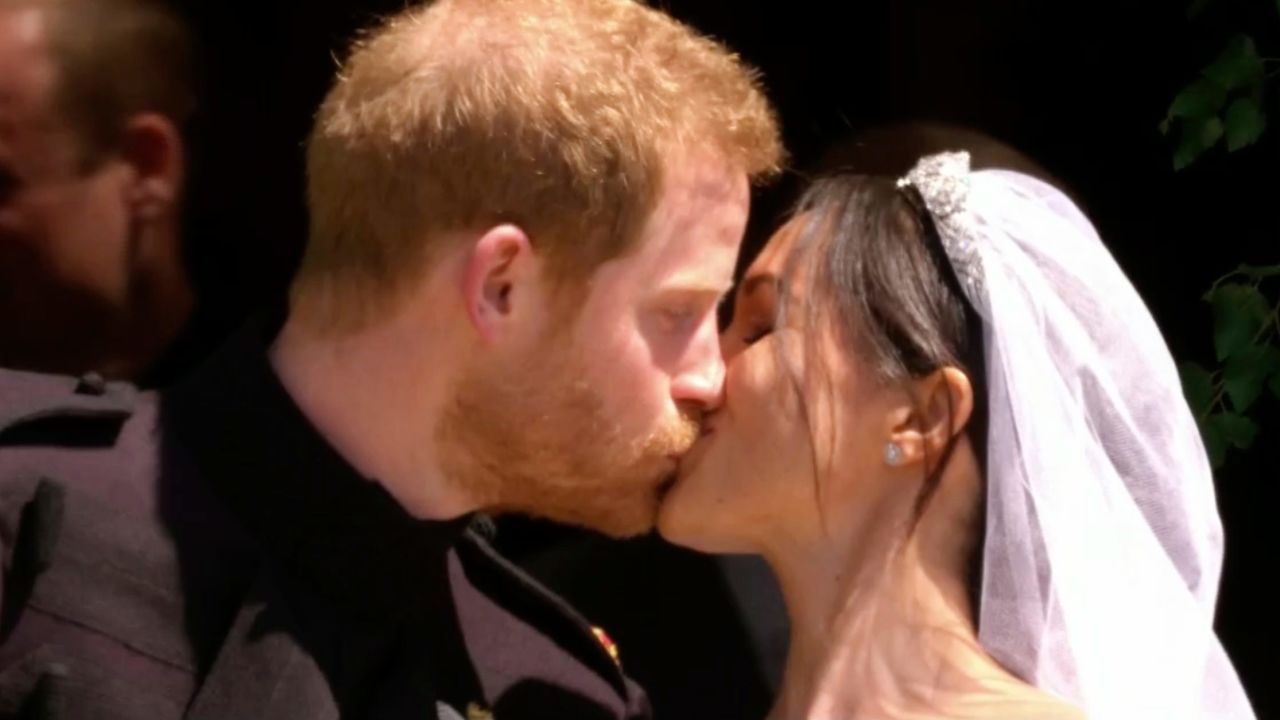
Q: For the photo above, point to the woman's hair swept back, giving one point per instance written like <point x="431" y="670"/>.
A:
<point x="882" y="281"/>
<point x="883" y="278"/>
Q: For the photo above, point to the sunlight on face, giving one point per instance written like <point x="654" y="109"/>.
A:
<point x="591" y="429"/>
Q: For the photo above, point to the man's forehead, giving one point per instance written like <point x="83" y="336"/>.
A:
<point x="694" y="183"/>
<point x="690" y="241"/>
<point x="21" y="32"/>
<point x="25" y="67"/>
<point x="695" y="258"/>
<point x="688" y="265"/>
<point x="26" y="75"/>
<point x="700" y="195"/>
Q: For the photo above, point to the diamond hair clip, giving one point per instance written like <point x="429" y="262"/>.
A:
<point x="944" y="181"/>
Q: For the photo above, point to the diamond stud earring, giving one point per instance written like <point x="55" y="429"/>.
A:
<point x="893" y="454"/>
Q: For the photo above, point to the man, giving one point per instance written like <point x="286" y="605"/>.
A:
<point x="92" y="96"/>
<point x="523" y="215"/>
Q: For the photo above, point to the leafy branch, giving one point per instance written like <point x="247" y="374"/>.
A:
<point x="1247" y="344"/>
<point x="1225" y="104"/>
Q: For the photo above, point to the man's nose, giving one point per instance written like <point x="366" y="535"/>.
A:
<point x="700" y="378"/>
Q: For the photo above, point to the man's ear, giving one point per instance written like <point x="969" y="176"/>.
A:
<point x="152" y="148"/>
<point x="499" y="273"/>
<point x="936" y="408"/>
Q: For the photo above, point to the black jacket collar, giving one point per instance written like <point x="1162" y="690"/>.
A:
<point x="309" y="508"/>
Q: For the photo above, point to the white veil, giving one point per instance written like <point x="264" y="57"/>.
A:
<point x="1103" y="544"/>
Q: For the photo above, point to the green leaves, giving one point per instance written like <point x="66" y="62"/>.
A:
<point x="1244" y="124"/>
<point x="1225" y="101"/>
<point x="1244" y="337"/>
<point x="1200" y="100"/>
<point x="1239" y="313"/>
<point x="1247" y="372"/>
<point x="1227" y="430"/>
<point x="1198" y="136"/>
<point x="1243" y="320"/>
<point x="1238" y="430"/>
<point x="1238" y="67"/>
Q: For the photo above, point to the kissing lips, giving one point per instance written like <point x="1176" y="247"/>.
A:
<point x="695" y="453"/>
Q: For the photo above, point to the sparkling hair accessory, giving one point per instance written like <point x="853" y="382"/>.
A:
<point x="944" y="183"/>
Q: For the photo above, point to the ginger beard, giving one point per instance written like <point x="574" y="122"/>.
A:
<point x="540" y="439"/>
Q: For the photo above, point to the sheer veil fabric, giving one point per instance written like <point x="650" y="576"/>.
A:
<point x="1103" y="544"/>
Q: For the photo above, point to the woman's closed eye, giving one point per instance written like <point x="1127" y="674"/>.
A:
<point x="758" y="306"/>
<point x="757" y="332"/>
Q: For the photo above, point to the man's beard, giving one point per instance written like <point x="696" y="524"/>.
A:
<point x="537" y="439"/>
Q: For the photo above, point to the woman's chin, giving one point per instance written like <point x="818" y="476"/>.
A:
<point x="673" y="517"/>
<point x="688" y="517"/>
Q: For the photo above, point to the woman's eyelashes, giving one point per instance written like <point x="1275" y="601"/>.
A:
<point x="757" y="332"/>
<point x="751" y="316"/>
<point x="760" y="316"/>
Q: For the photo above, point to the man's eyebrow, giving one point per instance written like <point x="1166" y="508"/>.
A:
<point x="695" y="286"/>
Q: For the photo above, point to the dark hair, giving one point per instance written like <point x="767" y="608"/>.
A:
<point x="114" y="60"/>
<point x="882" y="280"/>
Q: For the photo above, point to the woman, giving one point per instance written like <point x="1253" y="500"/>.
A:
<point x="952" y="428"/>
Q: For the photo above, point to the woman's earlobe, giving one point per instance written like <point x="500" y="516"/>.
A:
<point x="938" y="408"/>
<point x="905" y="444"/>
<point x="892" y="454"/>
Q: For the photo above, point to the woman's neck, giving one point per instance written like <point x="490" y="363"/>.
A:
<point x="881" y="626"/>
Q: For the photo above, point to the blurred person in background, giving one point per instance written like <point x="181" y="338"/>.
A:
<point x="93" y="96"/>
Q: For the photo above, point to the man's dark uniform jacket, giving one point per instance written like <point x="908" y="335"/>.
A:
<point x="203" y="553"/>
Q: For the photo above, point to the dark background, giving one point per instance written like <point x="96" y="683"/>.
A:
<point x="1079" y="86"/>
